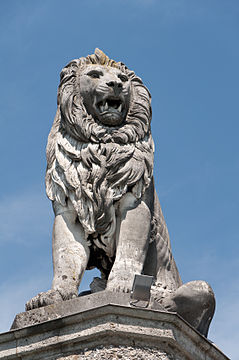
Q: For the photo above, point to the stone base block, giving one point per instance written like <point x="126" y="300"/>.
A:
<point x="97" y="327"/>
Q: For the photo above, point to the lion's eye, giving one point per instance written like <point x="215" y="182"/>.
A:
<point x="123" y="77"/>
<point x="95" y="74"/>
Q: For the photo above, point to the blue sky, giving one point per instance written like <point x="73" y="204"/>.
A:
<point x="187" y="53"/>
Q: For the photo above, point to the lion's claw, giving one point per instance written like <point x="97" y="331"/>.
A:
<point x="44" y="298"/>
<point x="117" y="286"/>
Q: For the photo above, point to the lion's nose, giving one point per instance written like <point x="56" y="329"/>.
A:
<point x="116" y="85"/>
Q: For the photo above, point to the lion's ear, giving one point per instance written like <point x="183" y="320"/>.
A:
<point x="69" y="70"/>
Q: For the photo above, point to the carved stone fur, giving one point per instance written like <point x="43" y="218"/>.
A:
<point x="92" y="164"/>
<point x="100" y="180"/>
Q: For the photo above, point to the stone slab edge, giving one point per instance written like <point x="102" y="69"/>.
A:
<point x="70" y="307"/>
<point x="53" y="333"/>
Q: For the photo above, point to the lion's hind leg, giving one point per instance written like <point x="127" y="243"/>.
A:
<point x="195" y="302"/>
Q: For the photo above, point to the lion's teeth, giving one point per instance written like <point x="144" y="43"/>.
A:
<point x="101" y="108"/>
<point x="120" y="108"/>
<point x="106" y="106"/>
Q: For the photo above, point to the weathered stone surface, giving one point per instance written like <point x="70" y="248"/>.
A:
<point x="74" y="306"/>
<point x="98" y="332"/>
<point x="100" y="180"/>
<point x="121" y="352"/>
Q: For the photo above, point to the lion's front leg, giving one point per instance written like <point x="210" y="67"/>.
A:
<point x="70" y="258"/>
<point x="70" y="254"/>
<point x="132" y="242"/>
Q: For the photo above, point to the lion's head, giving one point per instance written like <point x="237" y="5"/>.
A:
<point x="100" y="145"/>
<point x="80" y="88"/>
<point x="105" y="92"/>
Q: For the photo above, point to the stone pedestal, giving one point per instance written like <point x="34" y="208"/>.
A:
<point x="104" y="326"/>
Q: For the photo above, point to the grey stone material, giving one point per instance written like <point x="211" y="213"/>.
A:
<point x="71" y="307"/>
<point x="102" y="330"/>
<point x="121" y="352"/>
<point x="100" y="156"/>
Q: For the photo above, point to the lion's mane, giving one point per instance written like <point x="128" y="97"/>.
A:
<point x="92" y="164"/>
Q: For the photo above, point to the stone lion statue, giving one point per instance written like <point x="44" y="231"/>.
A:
<point x="100" y="180"/>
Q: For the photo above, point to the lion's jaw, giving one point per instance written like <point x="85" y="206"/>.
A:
<point x="105" y="93"/>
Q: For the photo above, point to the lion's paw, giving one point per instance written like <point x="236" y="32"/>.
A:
<point x="44" y="298"/>
<point x="119" y="286"/>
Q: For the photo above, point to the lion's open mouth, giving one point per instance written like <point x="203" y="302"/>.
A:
<point x="110" y="105"/>
<point x="111" y="110"/>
